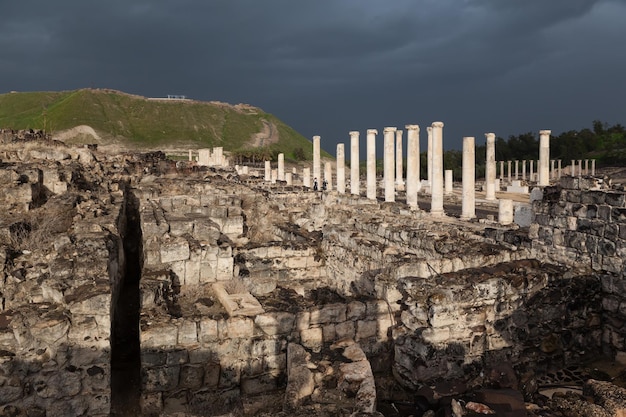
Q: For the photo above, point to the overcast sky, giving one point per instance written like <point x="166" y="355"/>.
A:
<point x="327" y="67"/>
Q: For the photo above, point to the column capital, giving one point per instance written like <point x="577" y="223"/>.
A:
<point x="316" y="137"/>
<point x="490" y="136"/>
<point x="438" y="124"/>
<point x="399" y="132"/>
<point x="354" y="133"/>
<point x="412" y="127"/>
<point x="429" y="129"/>
<point x="372" y="132"/>
<point x="390" y="129"/>
<point x="545" y="132"/>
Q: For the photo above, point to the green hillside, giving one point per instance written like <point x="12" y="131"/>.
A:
<point x="150" y="123"/>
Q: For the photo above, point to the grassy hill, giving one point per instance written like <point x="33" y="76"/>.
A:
<point x="150" y="123"/>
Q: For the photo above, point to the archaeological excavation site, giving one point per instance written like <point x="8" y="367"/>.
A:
<point x="133" y="284"/>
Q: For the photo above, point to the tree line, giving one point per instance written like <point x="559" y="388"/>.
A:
<point x="603" y="142"/>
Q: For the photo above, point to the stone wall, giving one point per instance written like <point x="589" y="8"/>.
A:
<point x="55" y="323"/>
<point x="582" y="221"/>
<point x="534" y="316"/>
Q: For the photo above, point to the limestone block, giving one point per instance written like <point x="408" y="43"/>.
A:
<point x="224" y="269"/>
<point x="329" y="333"/>
<point x="50" y="330"/>
<point x="180" y="226"/>
<point x="192" y="272"/>
<point x="234" y="211"/>
<point x="275" y="322"/>
<point x="443" y="315"/>
<point x="177" y="269"/>
<point x="187" y="332"/>
<point x="303" y="320"/>
<point x="235" y="327"/>
<point x="497" y="342"/>
<point x="160" y="379"/>
<point x="275" y="362"/>
<point x="208" y="330"/>
<point x="259" y="384"/>
<point x="212" y="373"/>
<point x="344" y="330"/>
<point x="218" y="211"/>
<point x="230" y="373"/>
<point x="266" y="347"/>
<point x="191" y="376"/>
<point x="312" y="339"/>
<point x="356" y="310"/>
<point x="232" y="226"/>
<point x="329" y="313"/>
<point x="300" y="382"/>
<point x="151" y="252"/>
<point x="89" y="301"/>
<point x="436" y="336"/>
<point x="205" y="230"/>
<point x="173" y="250"/>
<point x="297" y="262"/>
<point x="161" y="335"/>
<point x="384" y="323"/>
<point x="58" y="385"/>
<point x="208" y="271"/>
<point x="274" y="251"/>
<point x="366" y="329"/>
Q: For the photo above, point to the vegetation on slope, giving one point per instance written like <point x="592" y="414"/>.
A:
<point x="147" y="122"/>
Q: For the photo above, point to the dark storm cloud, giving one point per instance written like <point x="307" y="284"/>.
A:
<point x="330" y="66"/>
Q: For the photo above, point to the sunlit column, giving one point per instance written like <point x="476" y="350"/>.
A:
<point x="388" y="162"/>
<point x="412" y="164"/>
<point x="371" y="163"/>
<point x="355" y="186"/>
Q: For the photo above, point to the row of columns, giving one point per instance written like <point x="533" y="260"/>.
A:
<point x="436" y="179"/>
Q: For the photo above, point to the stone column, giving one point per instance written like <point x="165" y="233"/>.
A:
<point x="429" y="158"/>
<point x="544" y="158"/>
<point x="468" y="205"/>
<point x="281" y="167"/>
<point x="355" y="187"/>
<point x="559" y="171"/>
<point x="268" y="171"/>
<point x="508" y="163"/>
<point x="505" y="211"/>
<point x="447" y="181"/>
<point x="328" y="176"/>
<point x="490" y="167"/>
<point x="552" y="169"/>
<point x="523" y="170"/>
<point x="306" y="177"/>
<point x="572" y="169"/>
<point x="436" y="199"/>
<point x="586" y="167"/>
<point x="413" y="184"/>
<point x="501" y="170"/>
<point x="389" y="167"/>
<point x="593" y="167"/>
<point x="190" y="156"/>
<point x="317" y="162"/>
<point x="516" y="169"/>
<point x="399" y="162"/>
<point x="274" y="175"/>
<point x="580" y="167"/>
<point x="532" y="170"/>
<point x="341" y="169"/>
<point x="288" y="178"/>
<point x="371" y="163"/>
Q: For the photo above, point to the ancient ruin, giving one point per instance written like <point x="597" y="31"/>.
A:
<point x="132" y="284"/>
